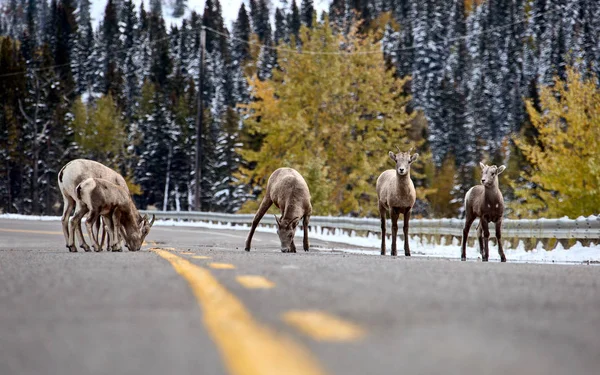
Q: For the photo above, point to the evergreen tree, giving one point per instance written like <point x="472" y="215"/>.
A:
<point x="307" y="12"/>
<point x="83" y="65"/>
<point x="294" y="20"/>
<point x="281" y="29"/>
<point x="179" y="8"/>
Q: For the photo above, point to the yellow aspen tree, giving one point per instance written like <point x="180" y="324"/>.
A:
<point x="565" y="161"/>
<point x="332" y="115"/>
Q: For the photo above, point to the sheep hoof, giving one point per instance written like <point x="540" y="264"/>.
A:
<point x="97" y="249"/>
<point x="503" y="259"/>
<point x="463" y="259"/>
<point x="247" y="249"/>
<point x="72" y="249"/>
<point x="407" y="253"/>
<point x="86" y="248"/>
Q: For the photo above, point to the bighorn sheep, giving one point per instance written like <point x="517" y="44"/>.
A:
<point x="485" y="202"/>
<point x="396" y="194"/>
<point x="102" y="197"/>
<point x="288" y="190"/>
<point x="71" y="175"/>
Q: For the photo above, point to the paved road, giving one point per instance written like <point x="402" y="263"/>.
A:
<point x="184" y="308"/>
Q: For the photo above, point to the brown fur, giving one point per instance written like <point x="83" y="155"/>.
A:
<point x="103" y="198"/>
<point x="69" y="177"/>
<point x="289" y="192"/>
<point x="396" y="194"/>
<point x="486" y="203"/>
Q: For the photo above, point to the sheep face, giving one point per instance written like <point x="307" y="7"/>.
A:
<point x="403" y="161"/>
<point x="489" y="174"/>
<point x="286" y="232"/>
<point x="145" y="226"/>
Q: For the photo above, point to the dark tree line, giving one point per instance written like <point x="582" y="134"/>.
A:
<point x="471" y="63"/>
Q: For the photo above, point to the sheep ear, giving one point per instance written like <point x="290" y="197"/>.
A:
<point x="295" y="223"/>
<point x="392" y="156"/>
<point x="482" y="165"/>
<point x="501" y="169"/>
<point x="414" y="157"/>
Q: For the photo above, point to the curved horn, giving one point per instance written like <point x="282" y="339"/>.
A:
<point x="276" y="219"/>
<point x="153" y="218"/>
<point x="410" y="150"/>
<point x="398" y="149"/>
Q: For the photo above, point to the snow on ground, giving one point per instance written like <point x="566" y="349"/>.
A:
<point x="419" y="247"/>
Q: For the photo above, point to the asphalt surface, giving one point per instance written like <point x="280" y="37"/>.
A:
<point x="133" y="313"/>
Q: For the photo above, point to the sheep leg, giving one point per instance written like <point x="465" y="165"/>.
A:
<point x="115" y="225"/>
<point x="305" y="221"/>
<point x="394" y="214"/>
<point x="468" y="222"/>
<point x="499" y="239"/>
<point x="96" y="232"/>
<point x="382" y="213"/>
<point x="262" y="210"/>
<point x="75" y="227"/>
<point x="90" y="222"/>
<point x="480" y="240"/>
<point x="405" y="231"/>
<point x="68" y="205"/>
<point x="486" y="239"/>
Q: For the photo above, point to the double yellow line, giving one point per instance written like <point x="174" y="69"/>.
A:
<point x="247" y="347"/>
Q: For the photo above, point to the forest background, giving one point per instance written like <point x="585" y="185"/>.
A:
<point x="511" y="82"/>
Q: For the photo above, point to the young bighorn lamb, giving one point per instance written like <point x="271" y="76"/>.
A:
<point x="396" y="194"/>
<point x="288" y="190"/>
<point x="485" y="202"/>
<point x="102" y="197"/>
<point x="71" y="175"/>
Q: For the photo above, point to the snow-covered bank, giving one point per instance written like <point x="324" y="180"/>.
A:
<point x="419" y="247"/>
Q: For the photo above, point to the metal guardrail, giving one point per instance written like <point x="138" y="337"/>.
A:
<point x="580" y="229"/>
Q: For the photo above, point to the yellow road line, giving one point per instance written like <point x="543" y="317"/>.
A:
<point x="322" y="326"/>
<point x="200" y="257"/>
<point x="247" y="347"/>
<point x="221" y="266"/>
<point x="186" y="253"/>
<point x="255" y="282"/>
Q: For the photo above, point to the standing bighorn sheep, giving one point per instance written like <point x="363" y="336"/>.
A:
<point x="288" y="190"/>
<point x="485" y="202"/>
<point x="69" y="177"/>
<point x="396" y="194"/>
<point x="101" y="197"/>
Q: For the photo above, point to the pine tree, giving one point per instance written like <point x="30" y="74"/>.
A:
<point x="281" y="29"/>
<point x="83" y="65"/>
<point x="179" y="8"/>
<point x="307" y="12"/>
<point x="294" y="20"/>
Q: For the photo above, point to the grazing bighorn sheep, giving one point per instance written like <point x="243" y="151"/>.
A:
<point x="71" y="175"/>
<point x="485" y="202"/>
<point x="396" y="194"/>
<point x="288" y="190"/>
<point x="102" y="197"/>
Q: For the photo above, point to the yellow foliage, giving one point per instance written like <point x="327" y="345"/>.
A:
<point x="101" y="135"/>
<point x="331" y="116"/>
<point x="99" y="131"/>
<point x="565" y="175"/>
<point x="443" y="202"/>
